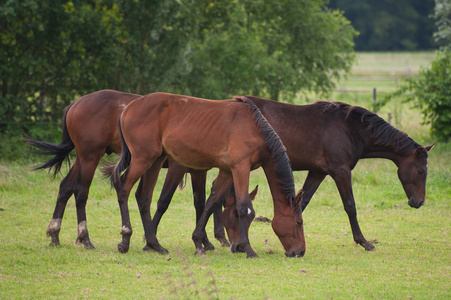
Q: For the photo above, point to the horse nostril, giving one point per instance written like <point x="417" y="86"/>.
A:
<point x="302" y="253"/>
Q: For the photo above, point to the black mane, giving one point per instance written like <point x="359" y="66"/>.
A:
<point x="276" y="149"/>
<point x="382" y="133"/>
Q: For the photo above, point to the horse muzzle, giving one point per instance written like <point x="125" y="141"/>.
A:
<point x="415" y="204"/>
<point x="295" y="253"/>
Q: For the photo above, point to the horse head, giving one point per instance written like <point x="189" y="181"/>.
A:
<point x="412" y="172"/>
<point x="230" y="217"/>
<point x="289" y="227"/>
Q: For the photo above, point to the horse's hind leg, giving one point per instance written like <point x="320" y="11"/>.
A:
<point x="85" y="176"/>
<point x="65" y="191"/>
<point x="144" y="199"/>
<point x="173" y="177"/>
<point x="135" y="170"/>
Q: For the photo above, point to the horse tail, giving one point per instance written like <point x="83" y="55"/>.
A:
<point x="113" y="171"/>
<point x="59" y="151"/>
<point x="276" y="148"/>
<point x="182" y="182"/>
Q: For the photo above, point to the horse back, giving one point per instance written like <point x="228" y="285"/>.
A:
<point x="195" y="132"/>
<point x="92" y="121"/>
<point x="315" y="139"/>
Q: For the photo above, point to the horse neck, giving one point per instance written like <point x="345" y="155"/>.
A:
<point x="395" y="154"/>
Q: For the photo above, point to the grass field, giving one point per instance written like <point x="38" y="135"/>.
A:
<point x="412" y="260"/>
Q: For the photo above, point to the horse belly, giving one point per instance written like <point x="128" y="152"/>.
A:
<point x="195" y="153"/>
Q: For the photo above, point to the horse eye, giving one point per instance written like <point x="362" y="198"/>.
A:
<point x="300" y="224"/>
<point x="420" y="172"/>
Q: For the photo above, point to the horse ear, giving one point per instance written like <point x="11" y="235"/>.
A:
<point x="420" y="152"/>
<point x="428" y="148"/>
<point x="253" y="193"/>
<point x="299" y="196"/>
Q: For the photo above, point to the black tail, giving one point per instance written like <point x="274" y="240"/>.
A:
<point x="60" y="151"/>
<point x="113" y="171"/>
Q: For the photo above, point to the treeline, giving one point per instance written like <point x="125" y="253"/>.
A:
<point x="387" y="25"/>
<point x="53" y="51"/>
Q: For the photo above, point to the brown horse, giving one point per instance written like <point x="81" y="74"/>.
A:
<point x="90" y="126"/>
<point x="201" y="134"/>
<point x="329" y="138"/>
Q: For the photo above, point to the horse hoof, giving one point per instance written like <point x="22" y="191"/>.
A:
<point x="88" y="245"/>
<point x="121" y="248"/>
<point x="159" y="250"/>
<point x="252" y="255"/>
<point x="52" y="244"/>
<point x="369" y="247"/>
<point x="224" y="243"/>
<point x="199" y="252"/>
<point x="209" y="247"/>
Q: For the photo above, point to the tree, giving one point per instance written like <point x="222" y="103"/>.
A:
<point x="50" y="52"/>
<point x="430" y="92"/>
<point x="386" y="25"/>
<point x="53" y="51"/>
<point x="269" y="48"/>
<point x="442" y="15"/>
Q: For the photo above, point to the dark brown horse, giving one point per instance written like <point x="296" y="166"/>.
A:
<point x="90" y="126"/>
<point x="202" y="134"/>
<point x="328" y="138"/>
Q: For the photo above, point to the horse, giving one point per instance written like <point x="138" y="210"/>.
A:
<point x="89" y="125"/>
<point x="231" y="135"/>
<point x="329" y="138"/>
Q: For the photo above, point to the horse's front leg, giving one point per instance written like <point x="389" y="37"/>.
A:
<point x="218" y="225"/>
<point x="220" y="186"/>
<point x="343" y="182"/>
<point x="243" y="204"/>
<point x="198" y="180"/>
<point x="310" y="186"/>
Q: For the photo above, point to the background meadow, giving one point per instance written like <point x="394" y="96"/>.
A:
<point x="412" y="260"/>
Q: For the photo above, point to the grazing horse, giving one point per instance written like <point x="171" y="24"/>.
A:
<point x="328" y="138"/>
<point x="90" y="126"/>
<point x="231" y="135"/>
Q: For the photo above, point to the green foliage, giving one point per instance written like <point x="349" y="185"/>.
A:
<point x="431" y="94"/>
<point x="442" y="15"/>
<point x="50" y="52"/>
<point x="54" y="51"/>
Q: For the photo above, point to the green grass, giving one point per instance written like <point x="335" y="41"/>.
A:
<point x="412" y="257"/>
<point x="412" y="260"/>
